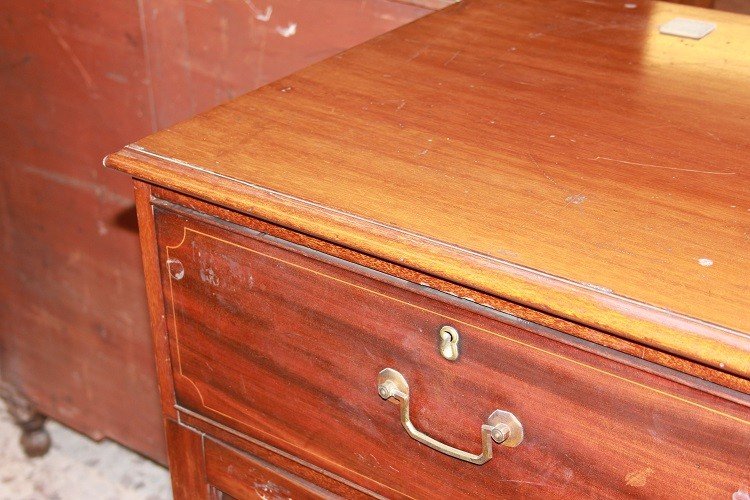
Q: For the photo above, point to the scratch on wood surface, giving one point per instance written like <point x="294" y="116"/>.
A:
<point x="418" y="53"/>
<point x="454" y="56"/>
<point x="663" y="167"/>
<point x="533" y="160"/>
<point x="520" y="481"/>
<point x="260" y="15"/>
<point x="72" y="56"/>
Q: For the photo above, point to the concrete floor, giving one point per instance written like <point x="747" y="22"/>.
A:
<point x="76" y="468"/>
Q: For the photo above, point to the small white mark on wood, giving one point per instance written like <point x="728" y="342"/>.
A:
<point x="630" y="5"/>
<point x="265" y="16"/>
<point x="286" y="89"/>
<point x="661" y="166"/>
<point x="270" y="490"/>
<point x="208" y="275"/>
<point x="176" y="269"/>
<point x="575" y="199"/>
<point x="289" y="30"/>
<point x="638" y="478"/>
<point x="741" y="495"/>
<point x="116" y="77"/>
<point x="703" y="261"/>
<point x="72" y="57"/>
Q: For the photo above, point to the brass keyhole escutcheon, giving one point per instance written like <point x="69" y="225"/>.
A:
<point x="449" y="342"/>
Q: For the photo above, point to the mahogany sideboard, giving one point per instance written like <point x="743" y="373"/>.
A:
<point x="501" y="251"/>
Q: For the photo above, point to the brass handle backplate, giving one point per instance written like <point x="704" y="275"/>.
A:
<point x="502" y="426"/>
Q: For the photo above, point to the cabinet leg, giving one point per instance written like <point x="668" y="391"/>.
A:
<point x="35" y="440"/>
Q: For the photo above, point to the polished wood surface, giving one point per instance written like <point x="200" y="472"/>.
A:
<point x="77" y="80"/>
<point x="563" y="155"/>
<point x="189" y="481"/>
<point x="165" y="198"/>
<point x="284" y="344"/>
<point x="246" y="477"/>
<point x="295" y="466"/>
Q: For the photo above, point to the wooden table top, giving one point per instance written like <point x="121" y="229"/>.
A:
<point x="561" y="154"/>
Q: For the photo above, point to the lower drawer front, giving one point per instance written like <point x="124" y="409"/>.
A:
<point x="238" y="475"/>
<point x="285" y="345"/>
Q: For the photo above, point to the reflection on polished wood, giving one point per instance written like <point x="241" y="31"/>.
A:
<point x="565" y="153"/>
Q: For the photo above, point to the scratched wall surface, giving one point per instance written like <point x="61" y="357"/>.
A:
<point x="79" y="79"/>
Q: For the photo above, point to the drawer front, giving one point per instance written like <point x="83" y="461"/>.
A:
<point x="285" y="345"/>
<point x="238" y="475"/>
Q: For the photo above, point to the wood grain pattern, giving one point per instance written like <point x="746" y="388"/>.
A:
<point x="197" y="208"/>
<point x="284" y="346"/>
<point x="562" y="155"/>
<point x="246" y="477"/>
<point x="187" y="464"/>
<point x="290" y="463"/>
<point x="150" y="256"/>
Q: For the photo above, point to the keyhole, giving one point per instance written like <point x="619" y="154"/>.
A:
<point x="449" y="342"/>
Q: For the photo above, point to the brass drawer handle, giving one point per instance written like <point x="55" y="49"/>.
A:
<point x="502" y="426"/>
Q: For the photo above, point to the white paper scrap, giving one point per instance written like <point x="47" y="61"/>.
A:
<point x="687" y="28"/>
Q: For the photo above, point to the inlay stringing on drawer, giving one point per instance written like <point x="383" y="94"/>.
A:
<point x="285" y="345"/>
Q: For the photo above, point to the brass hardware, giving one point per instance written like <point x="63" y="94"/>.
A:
<point x="502" y="426"/>
<point x="449" y="342"/>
